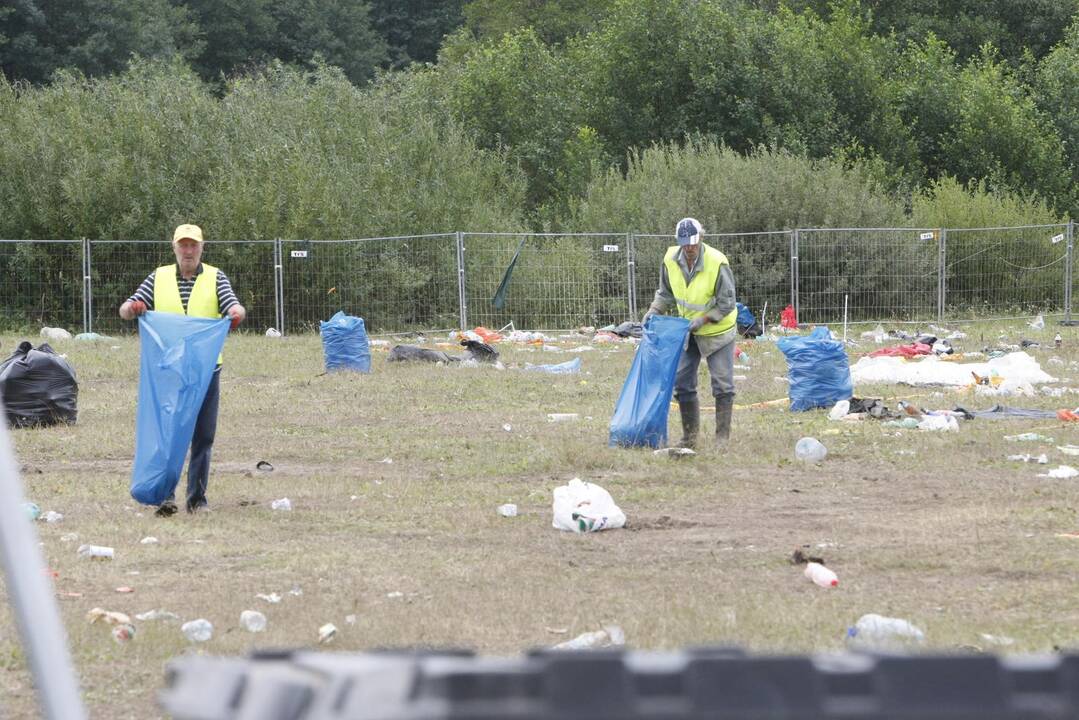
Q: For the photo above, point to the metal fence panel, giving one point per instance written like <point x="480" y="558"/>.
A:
<point x="41" y="283"/>
<point x="760" y="263"/>
<point x="558" y="280"/>
<point x="881" y="273"/>
<point x="1006" y="270"/>
<point x="117" y="268"/>
<point x="394" y="284"/>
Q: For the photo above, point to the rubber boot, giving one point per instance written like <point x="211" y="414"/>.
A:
<point x="724" y="408"/>
<point x="691" y="422"/>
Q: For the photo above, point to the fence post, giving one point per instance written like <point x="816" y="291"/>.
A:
<point x="1070" y="235"/>
<point x="462" y="297"/>
<point x="942" y="272"/>
<point x="278" y="286"/>
<point x="794" y="274"/>
<point x="87" y="288"/>
<point x="631" y="276"/>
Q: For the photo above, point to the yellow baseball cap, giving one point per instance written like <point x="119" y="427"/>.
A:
<point x="191" y="232"/>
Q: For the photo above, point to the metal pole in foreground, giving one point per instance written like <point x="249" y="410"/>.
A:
<point x="33" y="599"/>
<point x="845" y="298"/>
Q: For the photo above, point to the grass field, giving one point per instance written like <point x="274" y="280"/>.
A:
<point x="394" y="478"/>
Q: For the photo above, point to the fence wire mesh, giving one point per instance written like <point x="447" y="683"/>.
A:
<point x="557" y="281"/>
<point x="554" y="281"/>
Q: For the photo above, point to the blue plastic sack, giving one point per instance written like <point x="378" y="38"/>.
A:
<point x="178" y="357"/>
<point x="344" y="343"/>
<point x="818" y="370"/>
<point x="640" y="417"/>
<point x="745" y="317"/>
<point x="565" y="368"/>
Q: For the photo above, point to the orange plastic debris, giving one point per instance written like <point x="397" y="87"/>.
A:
<point x="1065" y="415"/>
<point x="488" y="336"/>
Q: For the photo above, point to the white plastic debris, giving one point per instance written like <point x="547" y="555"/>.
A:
<point x="148" y="540"/>
<point x="281" y="504"/>
<point x="507" y="510"/>
<point x="273" y="333"/>
<point x="272" y="598"/>
<point x="1042" y="459"/>
<point x="947" y="423"/>
<point x="674" y="452"/>
<point x="327" y="633"/>
<point x="840" y="409"/>
<point x="1016" y="367"/>
<point x="161" y="614"/>
<point x="609" y="636"/>
<point x="51" y="333"/>
<point x="1063" y="471"/>
<point x="52" y="517"/>
<point x="561" y="417"/>
<point x="1069" y="449"/>
<point x="253" y="621"/>
<point x="1037" y="323"/>
<point x="585" y="507"/>
<point x="198" y="631"/>
<point x="507" y="427"/>
<point x="95" y="551"/>
<point x="874" y="631"/>
<point x="350" y="619"/>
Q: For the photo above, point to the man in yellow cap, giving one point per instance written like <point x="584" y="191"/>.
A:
<point x="190" y="287"/>
<point x="696" y="279"/>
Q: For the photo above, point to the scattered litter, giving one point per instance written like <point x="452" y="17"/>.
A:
<point x="31" y="509"/>
<point x="253" y="621"/>
<point x="91" y="337"/>
<point x="198" y="631"/>
<point x="841" y="408"/>
<point x="874" y="631"/>
<point x="124" y="590"/>
<point x="111" y="617"/>
<point x="507" y="510"/>
<point x="810" y="450"/>
<point x="123" y="633"/>
<point x="350" y="619"/>
<point x="1037" y="323"/>
<point x="585" y="507"/>
<point x="561" y="417"/>
<point x="1069" y="449"/>
<point x="946" y="423"/>
<point x="273" y="333"/>
<point x="507" y="427"/>
<point x="1042" y="459"/>
<point x="148" y="540"/>
<point x="557" y="631"/>
<point x="263" y="466"/>
<point x="570" y="366"/>
<point x="69" y="537"/>
<point x="877" y="334"/>
<point x="281" y="504"/>
<point x="95" y="551"/>
<point x="296" y="590"/>
<point x="1017" y="367"/>
<point x="272" y="598"/>
<point x="52" y="517"/>
<point x="1028" y="437"/>
<point x="51" y="333"/>
<point x="386" y="461"/>
<point x="1003" y="640"/>
<point x="326" y="633"/>
<point x="395" y="594"/>
<point x="150" y="615"/>
<point x="821" y="575"/>
<point x="1063" y="471"/>
<point x="675" y="453"/>
<point x="609" y="636"/>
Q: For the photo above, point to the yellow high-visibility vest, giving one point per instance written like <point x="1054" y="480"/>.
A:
<point x="697" y="298"/>
<point x="203" y="300"/>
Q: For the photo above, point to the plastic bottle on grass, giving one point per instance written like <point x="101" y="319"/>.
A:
<point x="821" y="575"/>
<point x="199" y="630"/>
<point x="253" y="621"/>
<point x="874" y="631"/>
<point x="810" y="450"/>
<point x="95" y="551"/>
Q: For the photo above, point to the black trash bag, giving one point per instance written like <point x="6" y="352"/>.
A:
<point x="38" y="387"/>
<point x="480" y="351"/>
<point x="412" y="353"/>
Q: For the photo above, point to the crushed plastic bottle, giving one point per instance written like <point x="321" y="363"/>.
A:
<point x="31" y="509"/>
<point x="821" y="575"/>
<point x="253" y="621"/>
<point x="609" y="636"/>
<point x="874" y="631"/>
<point x="198" y="631"/>
<point x="95" y="551"/>
<point x="507" y="510"/>
<point x="52" y="517"/>
<point x="810" y="450"/>
<point x="281" y="504"/>
<point x="840" y="409"/>
<point x="327" y="633"/>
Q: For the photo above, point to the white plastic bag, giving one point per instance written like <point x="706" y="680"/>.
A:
<point x="584" y="507"/>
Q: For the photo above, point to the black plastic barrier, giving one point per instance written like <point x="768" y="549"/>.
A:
<point x="712" y="683"/>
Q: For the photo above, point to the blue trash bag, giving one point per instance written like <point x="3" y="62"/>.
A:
<point x="570" y="366"/>
<point x="179" y="354"/>
<point x="818" y="370"/>
<point x="640" y="417"/>
<point x="344" y="343"/>
<point x="745" y="317"/>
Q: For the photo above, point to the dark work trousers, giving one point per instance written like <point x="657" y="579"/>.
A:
<point x="202" y="442"/>
<point x="720" y="367"/>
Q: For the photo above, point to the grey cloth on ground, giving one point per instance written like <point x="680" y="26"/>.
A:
<point x="412" y="353"/>
<point x="1003" y="412"/>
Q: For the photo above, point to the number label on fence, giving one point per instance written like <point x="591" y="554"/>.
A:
<point x="299" y="253"/>
<point x="927" y="235"/>
<point x="1057" y="238"/>
<point x="610" y="248"/>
